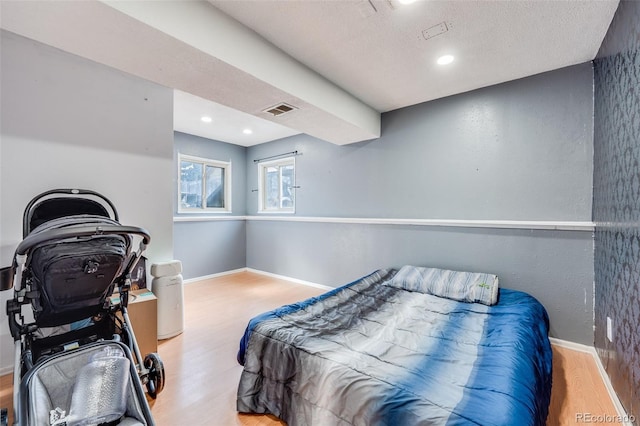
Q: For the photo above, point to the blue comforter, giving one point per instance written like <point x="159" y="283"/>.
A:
<point x="371" y="354"/>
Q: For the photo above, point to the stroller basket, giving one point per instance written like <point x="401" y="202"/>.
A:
<point x="93" y="385"/>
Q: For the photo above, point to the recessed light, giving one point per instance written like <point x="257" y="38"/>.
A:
<point x="206" y="119"/>
<point x="247" y="131"/>
<point x="406" y="1"/>
<point x="445" y="59"/>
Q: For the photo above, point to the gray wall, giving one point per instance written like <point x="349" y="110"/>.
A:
<point x="517" y="151"/>
<point x="616" y="208"/>
<point x="68" y="122"/>
<point x="210" y="247"/>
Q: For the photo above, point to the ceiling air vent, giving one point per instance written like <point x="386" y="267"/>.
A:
<point x="436" y="30"/>
<point x="280" y="109"/>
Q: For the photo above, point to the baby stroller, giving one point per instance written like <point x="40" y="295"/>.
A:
<point x="77" y="361"/>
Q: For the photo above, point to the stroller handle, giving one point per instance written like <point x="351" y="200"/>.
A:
<point x="33" y="240"/>
<point x="70" y="194"/>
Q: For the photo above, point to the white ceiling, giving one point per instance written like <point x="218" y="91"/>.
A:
<point x="227" y="124"/>
<point x="340" y="62"/>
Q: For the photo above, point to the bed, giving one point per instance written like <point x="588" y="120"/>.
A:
<point x="374" y="353"/>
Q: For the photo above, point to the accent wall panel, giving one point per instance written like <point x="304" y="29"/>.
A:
<point x="616" y="203"/>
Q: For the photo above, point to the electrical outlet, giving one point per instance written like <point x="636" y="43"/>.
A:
<point x="610" y="329"/>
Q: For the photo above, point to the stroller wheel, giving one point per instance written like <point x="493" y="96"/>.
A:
<point x="156" y="374"/>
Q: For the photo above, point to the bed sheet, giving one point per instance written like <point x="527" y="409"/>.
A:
<point x="370" y="354"/>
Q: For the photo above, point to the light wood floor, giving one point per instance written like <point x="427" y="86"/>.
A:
<point x="202" y="372"/>
<point x="577" y="389"/>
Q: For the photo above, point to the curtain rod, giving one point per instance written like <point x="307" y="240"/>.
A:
<point x="276" y="156"/>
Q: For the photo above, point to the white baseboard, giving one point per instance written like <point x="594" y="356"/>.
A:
<point x="219" y="274"/>
<point x="293" y="280"/>
<point x="258" y="271"/>
<point x="7" y="369"/>
<point x="573" y="346"/>
<point x="622" y="414"/>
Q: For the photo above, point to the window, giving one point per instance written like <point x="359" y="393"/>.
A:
<point x="276" y="186"/>
<point x="205" y="185"/>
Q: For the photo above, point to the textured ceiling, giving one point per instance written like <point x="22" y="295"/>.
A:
<point x="341" y="62"/>
<point x="377" y="51"/>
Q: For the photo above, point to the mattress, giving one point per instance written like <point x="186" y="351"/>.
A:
<point x="371" y="354"/>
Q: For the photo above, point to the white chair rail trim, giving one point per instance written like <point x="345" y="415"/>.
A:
<point x="452" y="223"/>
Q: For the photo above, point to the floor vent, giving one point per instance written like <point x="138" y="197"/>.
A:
<point x="280" y="109"/>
